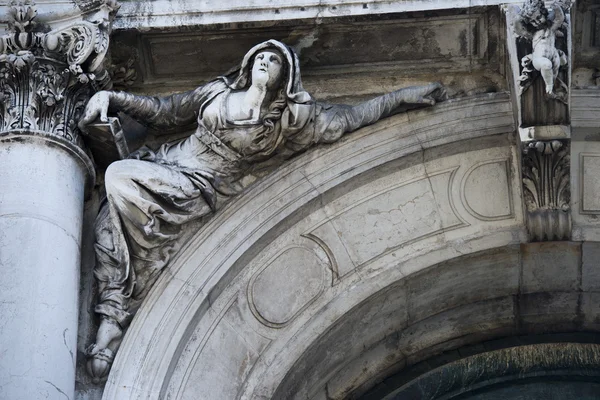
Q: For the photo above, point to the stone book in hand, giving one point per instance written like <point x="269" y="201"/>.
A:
<point x="106" y="141"/>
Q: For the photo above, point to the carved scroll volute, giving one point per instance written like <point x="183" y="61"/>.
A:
<point x="46" y="78"/>
<point x="546" y="189"/>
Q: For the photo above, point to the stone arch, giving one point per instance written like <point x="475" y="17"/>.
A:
<point x="563" y="370"/>
<point x="497" y="298"/>
<point x="238" y="316"/>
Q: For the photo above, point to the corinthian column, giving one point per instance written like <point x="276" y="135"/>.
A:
<point x="48" y="71"/>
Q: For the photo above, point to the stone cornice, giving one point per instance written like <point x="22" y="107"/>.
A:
<point x="168" y="14"/>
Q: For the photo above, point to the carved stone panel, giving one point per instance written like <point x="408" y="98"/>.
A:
<point x="390" y="219"/>
<point x="342" y="59"/>
<point x="452" y="42"/>
<point x="585" y="180"/>
<point x="286" y="285"/>
<point x="482" y="180"/>
<point x="590" y="182"/>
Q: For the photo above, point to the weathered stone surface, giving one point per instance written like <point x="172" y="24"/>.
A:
<point x="549" y="266"/>
<point x="40" y="230"/>
<point x="590" y="202"/>
<point x="542" y="371"/>
<point x="590" y="309"/>
<point x="225" y="373"/>
<point x="495" y="277"/>
<point x="390" y="218"/>
<point x="585" y="147"/>
<point x="161" y="14"/>
<point x="344" y="59"/>
<point x="590" y="267"/>
<point x="287" y="285"/>
<point x="486" y="315"/>
<point x="585" y="106"/>
<point x="487" y="191"/>
<point x="549" y="312"/>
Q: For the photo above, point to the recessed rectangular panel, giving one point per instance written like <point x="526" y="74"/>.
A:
<point x="383" y="222"/>
<point x="455" y="42"/>
<point x="199" y="55"/>
<point x="590" y="183"/>
<point x="452" y="38"/>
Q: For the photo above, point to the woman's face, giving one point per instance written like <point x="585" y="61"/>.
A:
<point x="267" y="69"/>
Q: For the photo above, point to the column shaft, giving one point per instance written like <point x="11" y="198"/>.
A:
<point x="48" y="71"/>
<point x="41" y="203"/>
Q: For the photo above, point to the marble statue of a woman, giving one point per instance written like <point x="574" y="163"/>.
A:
<point x="257" y="116"/>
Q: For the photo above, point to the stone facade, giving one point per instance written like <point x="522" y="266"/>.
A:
<point x="463" y="233"/>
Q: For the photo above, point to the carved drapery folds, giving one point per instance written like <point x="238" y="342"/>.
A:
<point x="546" y="189"/>
<point x="47" y="76"/>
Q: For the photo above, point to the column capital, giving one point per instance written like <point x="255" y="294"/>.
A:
<point x="49" y="70"/>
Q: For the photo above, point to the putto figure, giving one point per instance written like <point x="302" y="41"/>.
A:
<point x="247" y="121"/>
<point x="542" y="26"/>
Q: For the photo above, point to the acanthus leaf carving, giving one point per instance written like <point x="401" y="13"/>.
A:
<point x="546" y="175"/>
<point x="546" y="189"/>
<point x="21" y="15"/>
<point x="10" y="113"/>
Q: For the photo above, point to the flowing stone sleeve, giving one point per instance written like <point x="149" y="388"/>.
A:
<point x="180" y="109"/>
<point x="333" y="121"/>
<point x="304" y="125"/>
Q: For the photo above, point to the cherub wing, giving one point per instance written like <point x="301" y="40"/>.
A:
<point x="565" y="5"/>
<point x="559" y="16"/>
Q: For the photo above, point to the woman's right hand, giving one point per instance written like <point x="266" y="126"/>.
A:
<point x="96" y="107"/>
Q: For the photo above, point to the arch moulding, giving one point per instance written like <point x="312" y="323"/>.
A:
<point x="276" y="270"/>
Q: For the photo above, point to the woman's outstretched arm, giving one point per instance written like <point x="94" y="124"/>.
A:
<point x="341" y="119"/>
<point x="159" y="112"/>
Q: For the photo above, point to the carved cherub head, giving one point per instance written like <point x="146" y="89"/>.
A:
<point x="535" y="14"/>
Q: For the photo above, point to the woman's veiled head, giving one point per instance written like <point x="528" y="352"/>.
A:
<point x="292" y="106"/>
<point x="290" y="77"/>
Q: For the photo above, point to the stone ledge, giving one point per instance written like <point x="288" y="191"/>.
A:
<point x="165" y="14"/>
